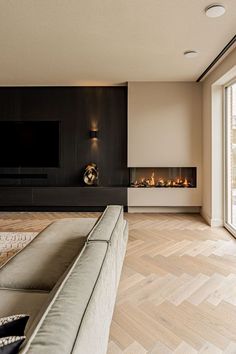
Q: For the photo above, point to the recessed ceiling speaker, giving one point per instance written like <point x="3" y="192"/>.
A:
<point x="215" y="10"/>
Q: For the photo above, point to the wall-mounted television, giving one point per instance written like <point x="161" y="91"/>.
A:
<point x="29" y="143"/>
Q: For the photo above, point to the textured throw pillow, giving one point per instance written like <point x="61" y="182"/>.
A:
<point x="13" y="325"/>
<point x="10" y="345"/>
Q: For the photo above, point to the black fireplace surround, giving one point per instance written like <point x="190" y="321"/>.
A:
<point x="78" y="111"/>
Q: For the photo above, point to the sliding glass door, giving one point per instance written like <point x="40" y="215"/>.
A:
<point x="230" y="157"/>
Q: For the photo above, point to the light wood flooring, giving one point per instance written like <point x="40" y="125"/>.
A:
<point x="177" y="292"/>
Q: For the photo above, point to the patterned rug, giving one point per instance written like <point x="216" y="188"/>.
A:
<point x="13" y="242"/>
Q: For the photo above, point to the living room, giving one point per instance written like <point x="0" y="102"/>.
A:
<point x="118" y="177"/>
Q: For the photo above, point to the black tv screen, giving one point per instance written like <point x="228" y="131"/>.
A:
<point x="29" y="144"/>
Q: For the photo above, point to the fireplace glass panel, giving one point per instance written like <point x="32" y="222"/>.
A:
<point x="163" y="177"/>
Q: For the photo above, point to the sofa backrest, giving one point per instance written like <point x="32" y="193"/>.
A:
<point x="78" y="318"/>
<point x="110" y="222"/>
<point x="93" y="333"/>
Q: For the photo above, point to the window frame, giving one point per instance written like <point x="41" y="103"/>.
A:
<point x="226" y="156"/>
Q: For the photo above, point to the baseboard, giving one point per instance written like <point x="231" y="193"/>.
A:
<point x="163" y="209"/>
<point x="210" y="221"/>
<point x="217" y="223"/>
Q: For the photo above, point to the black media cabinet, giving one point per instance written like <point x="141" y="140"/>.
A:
<point x="61" y="198"/>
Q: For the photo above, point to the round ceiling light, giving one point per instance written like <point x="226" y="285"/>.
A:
<point x="190" y="54"/>
<point x="215" y="10"/>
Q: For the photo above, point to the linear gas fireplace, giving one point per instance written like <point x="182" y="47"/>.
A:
<point x="163" y="177"/>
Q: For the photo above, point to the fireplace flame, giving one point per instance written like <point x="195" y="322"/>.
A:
<point x="162" y="182"/>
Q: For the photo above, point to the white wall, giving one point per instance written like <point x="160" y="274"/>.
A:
<point x="164" y="124"/>
<point x="212" y="100"/>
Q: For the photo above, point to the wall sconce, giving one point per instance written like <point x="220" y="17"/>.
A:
<point x="93" y="134"/>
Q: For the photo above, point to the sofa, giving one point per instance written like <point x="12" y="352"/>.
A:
<point x="66" y="279"/>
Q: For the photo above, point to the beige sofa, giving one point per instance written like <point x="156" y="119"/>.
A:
<point x="66" y="279"/>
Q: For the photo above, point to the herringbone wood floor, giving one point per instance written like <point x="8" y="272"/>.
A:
<point x="178" y="287"/>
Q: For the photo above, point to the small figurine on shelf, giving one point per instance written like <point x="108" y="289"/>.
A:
<point x="91" y="174"/>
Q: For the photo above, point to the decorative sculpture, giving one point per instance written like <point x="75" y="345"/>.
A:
<point x="91" y="174"/>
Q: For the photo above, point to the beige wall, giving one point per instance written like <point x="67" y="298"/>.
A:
<point x="164" y="124"/>
<point x="212" y="103"/>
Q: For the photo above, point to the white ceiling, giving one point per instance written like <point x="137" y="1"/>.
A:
<point x="73" y="42"/>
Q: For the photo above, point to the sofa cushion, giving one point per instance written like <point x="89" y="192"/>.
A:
<point x="16" y="302"/>
<point x="39" y="265"/>
<point x="13" y="325"/>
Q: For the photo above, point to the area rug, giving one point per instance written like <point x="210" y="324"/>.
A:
<point x="13" y="242"/>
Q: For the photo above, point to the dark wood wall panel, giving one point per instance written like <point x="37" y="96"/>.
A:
<point x="78" y="109"/>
